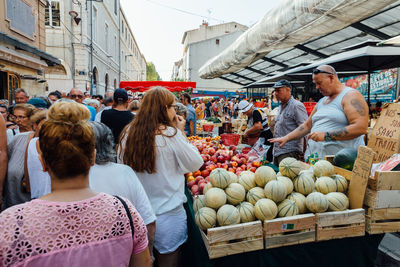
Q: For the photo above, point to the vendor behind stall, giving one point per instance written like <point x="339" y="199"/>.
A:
<point x="257" y="124"/>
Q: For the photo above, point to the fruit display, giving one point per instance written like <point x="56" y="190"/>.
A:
<point x="246" y="195"/>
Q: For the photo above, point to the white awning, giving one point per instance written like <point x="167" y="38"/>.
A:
<point x="289" y="24"/>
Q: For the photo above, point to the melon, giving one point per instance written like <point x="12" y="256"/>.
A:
<point x="234" y="178"/>
<point x="325" y="185"/>
<point x="215" y="198"/>
<point x="317" y="202"/>
<point x="287" y="208"/>
<point x="341" y="183"/>
<point x="288" y="182"/>
<point x="206" y="218"/>
<point x="255" y="194"/>
<point x="220" y="178"/>
<point x="247" y="179"/>
<point x="228" y="215"/>
<point x="307" y="173"/>
<point x="290" y="167"/>
<point x="300" y="201"/>
<point x="263" y="175"/>
<point x="235" y="193"/>
<point x="345" y="158"/>
<point x="246" y="212"/>
<point x="275" y="190"/>
<point x="206" y="187"/>
<point x="265" y="209"/>
<point x="323" y="168"/>
<point x="337" y="201"/>
<point x="198" y="203"/>
<point x="304" y="184"/>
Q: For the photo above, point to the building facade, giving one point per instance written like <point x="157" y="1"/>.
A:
<point x="199" y="46"/>
<point x="95" y="44"/>
<point x="23" y="60"/>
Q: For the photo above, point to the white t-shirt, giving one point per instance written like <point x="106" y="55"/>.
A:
<point x="175" y="156"/>
<point x="11" y="133"/>
<point x="121" y="180"/>
<point x="40" y="181"/>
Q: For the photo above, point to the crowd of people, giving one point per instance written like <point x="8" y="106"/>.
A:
<point x="99" y="181"/>
<point x="94" y="182"/>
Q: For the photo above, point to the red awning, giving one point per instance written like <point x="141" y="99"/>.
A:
<point x="142" y="86"/>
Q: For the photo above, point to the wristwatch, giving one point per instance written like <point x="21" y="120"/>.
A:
<point x="328" y="137"/>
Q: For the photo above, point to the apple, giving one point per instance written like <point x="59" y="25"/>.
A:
<point x="231" y="170"/>
<point x="235" y="159"/>
<point x="225" y="166"/>
<point x="205" y="173"/>
<point x="198" y="178"/>
<point x="234" y="163"/>
<point x="195" y="189"/>
<point x="253" y="169"/>
<point x="189" y="174"/>
<point x="214" y="159"/>
<point x="211" y="151"/>
<point x="219" y="165"/>
<point x="197" y="173"/>
<point x="232" y="148"/>
<point x="221" y="159"/>
<point x="256" y="163"/>
<point x="202" y="185"/>
<point x="191" y="183"/>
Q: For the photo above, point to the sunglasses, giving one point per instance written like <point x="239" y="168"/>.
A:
<point x="316" y="71"/>
<point x="76" y="96"/>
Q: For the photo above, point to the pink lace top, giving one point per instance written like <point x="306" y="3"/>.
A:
<point x="91" y="232"/>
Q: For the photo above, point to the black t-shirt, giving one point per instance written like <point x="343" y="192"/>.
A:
<point x="116" y="120"/>
<point x="265" y="132"/>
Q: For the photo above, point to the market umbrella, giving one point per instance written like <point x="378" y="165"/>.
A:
<point x="142" y="86"/>
<point x="362" y="60"/>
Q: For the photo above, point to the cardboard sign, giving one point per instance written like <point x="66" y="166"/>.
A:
<point x="359" y="178"/>
<point x="385" y="136"/>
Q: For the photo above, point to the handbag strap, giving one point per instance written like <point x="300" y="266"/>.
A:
<point x="129" y="215"/>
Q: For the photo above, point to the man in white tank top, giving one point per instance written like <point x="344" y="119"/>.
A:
<point x="339" y="120"/>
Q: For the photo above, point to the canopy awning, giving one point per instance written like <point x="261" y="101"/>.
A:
<point x="142" y="86"/>
<point x="298" y="32"/>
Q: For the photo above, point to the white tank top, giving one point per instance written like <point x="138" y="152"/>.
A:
<point x="330" y="117"/>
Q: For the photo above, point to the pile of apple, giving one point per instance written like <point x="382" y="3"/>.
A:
<point x="216" y="155"/>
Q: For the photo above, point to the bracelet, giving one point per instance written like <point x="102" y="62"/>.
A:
<point x="328" y="137"/>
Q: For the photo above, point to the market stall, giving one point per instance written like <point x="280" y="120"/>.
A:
<point x="143" y="86"/>
<point x="244" y="210"/>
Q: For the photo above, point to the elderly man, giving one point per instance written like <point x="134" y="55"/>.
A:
<point x="77" y="95"/>
<point x="21" y="96"/>
<point x="292" y="114"/>
<point x="339" y="120"/>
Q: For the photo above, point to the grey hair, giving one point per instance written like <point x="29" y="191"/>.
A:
<point x="104" y="140"/>
<point x="21" y="90"/>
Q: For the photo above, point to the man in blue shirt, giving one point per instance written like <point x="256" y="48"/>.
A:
<point x="190" y="127"/>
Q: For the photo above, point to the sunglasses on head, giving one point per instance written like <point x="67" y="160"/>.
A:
<point x="316" y="71"/>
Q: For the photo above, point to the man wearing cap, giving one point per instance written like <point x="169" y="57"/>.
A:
<point x="292" y="114"/>
<point x="119" y="116"/>
<point x="257" y="124"/>
<point x="339" y="120"/>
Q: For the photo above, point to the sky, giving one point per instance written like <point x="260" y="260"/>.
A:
<point x="158" y="25"/>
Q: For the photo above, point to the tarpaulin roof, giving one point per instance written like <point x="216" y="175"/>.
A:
<point x="142" y="86"/>
<point x="309" y="30"/>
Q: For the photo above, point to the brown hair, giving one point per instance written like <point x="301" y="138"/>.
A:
<point x="38" y="115"/>
<point x="28" y="108"/>
<point x="137" y="141"/>
<point x="67" y="140"/>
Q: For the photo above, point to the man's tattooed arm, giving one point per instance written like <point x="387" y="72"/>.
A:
<point x="338" y="133"/>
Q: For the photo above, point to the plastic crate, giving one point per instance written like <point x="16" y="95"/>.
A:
<point x="230" y="139"/>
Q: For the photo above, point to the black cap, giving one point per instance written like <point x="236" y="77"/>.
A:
<point x="120" y="95"/>
<point x="282" y="83"/>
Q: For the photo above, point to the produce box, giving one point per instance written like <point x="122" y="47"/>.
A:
<point x="382" y="203"/>
<point x="288" y="231"/>
<point x="340" y="224"/>
<point x="233" y="239"/>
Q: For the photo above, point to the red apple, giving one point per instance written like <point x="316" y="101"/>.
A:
<point x="253" y="169"/>
<point x="214" y="159"/>
<point x="256" y="163"/>
<point x="235" y="159"/>
<point x="231" y="170"/>
<point x="233" y="148"/>
<point x="221" y="159"/>
<point x="205" y="173"/>
<point x="198" y="178"/>
<point x="211" y="151"/>
<point x="219" y="165"/>
<point x="191" y="183"/>
<point x="202" y="185"/>
<point x="234" y="164"/>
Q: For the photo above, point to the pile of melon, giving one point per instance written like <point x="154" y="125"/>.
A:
<point x="264" y="195"/>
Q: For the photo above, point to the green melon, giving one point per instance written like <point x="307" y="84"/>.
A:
<point x="228" y="215"/>
<point x="337" y="201"/>
<point x="287" y="208"/>
<point x="206" y="218"/>
<point x="220" y="178"/>
<point x="290" y="167"/>
<point x="323" y="168"/>
<point x="235" y="193"/>
<point x="246" y="211"/>
<point x="345" y="158"/>
<point x="341" y="182"/>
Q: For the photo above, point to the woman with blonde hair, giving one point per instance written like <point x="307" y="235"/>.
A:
<point x="73" y="225"/>
<point x="155" y="146"/>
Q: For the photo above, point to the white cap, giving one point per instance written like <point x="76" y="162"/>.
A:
<point x="244" y="106"/>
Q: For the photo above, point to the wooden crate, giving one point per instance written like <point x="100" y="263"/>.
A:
<point x="340" y="224"/>
<point x="289" y="230"/>
<point x="382" y="203"/>
<point x="233" y="239"/>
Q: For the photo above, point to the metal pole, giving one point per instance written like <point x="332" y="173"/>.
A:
<point x="72" y="49"/>
<point x="369" y="87"/>
<point x="91" y="47"/>
<point x="119" y="44"/>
